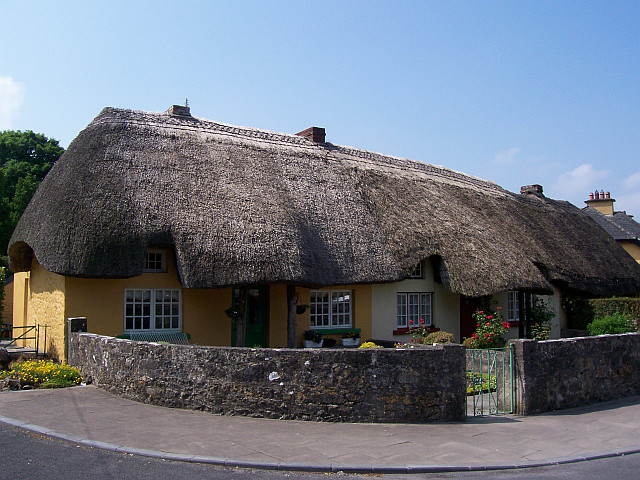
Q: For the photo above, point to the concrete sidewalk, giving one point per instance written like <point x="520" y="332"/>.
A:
<point x="90" y="416"/>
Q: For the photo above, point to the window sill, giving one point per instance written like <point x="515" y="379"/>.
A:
<point x="407" y="331"/>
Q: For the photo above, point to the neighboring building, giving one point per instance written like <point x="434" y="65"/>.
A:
<point x="622" y="227"/>
<point x="152" y="222"/>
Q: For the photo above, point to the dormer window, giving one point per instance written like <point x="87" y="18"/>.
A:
<point x="155" y="262"/>
<point x="417" y="273"/>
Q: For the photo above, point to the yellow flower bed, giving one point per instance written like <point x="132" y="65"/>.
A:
<point x="44" y="374"/>
<point x="369" y="345"/>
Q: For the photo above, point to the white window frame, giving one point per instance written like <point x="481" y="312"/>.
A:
<point x="330" y="309"/>
<point x="513" y="306"/>
<point x="163" y="312"/>
<point x="155" y="261"/>
<point x="417" y="272"/>
<point x="411" y="307"/>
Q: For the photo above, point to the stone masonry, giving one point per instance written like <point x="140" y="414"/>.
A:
<point x="571" y="372"/>
<point x="341" y="385"/>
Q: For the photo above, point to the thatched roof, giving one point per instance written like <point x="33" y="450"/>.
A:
<point x="244" y="206"/>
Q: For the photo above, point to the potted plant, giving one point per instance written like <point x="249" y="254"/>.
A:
<point x="312" y="339"/>
<point x="350" y="339"/>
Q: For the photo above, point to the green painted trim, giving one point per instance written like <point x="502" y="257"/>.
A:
<point x="336" y="331"/>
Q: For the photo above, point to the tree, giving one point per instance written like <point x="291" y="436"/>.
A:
<point x="25" y="159"/>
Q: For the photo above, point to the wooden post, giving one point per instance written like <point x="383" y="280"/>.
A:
<point x="292" y="304"/>
<point x="241" y="319"/>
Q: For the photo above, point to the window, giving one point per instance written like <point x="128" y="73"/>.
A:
<point x="513" y="307"/>
<point x="413" y="307"/>
<point x="330" y="308"/>
<point x="155" y="261"/>
<point x="417" y="273"/>
<point x="148" y="309"/>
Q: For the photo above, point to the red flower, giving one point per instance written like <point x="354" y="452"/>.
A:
<point x="499" y="308"/>
<point x="421" y="320"/>
<point x="480" y="312"/>
<point x="487" y="335"/>
<point x="489" y="317"/>
<point x="475" y="335"/>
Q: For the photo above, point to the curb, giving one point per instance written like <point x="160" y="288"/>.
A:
<point x="299" y="467"/>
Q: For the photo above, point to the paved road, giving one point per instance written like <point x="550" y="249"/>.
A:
<point x="35" y="456"/>
<point x="93" y="417"/>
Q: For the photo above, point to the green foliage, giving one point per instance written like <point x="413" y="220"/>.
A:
<point x="439" y="337"/>
<point x="582" y="310"/>
<point x="541" y="316"/>
<point x="25" y="159"/>
<point x="44" y="374"/>
<point x="489" y="330"/>
<point x="611" y="325"/>
<point x="480" y="383"/>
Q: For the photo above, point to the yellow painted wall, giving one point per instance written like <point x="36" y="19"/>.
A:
<point x="632" y="249"/>
<point x="7" y="311"/>
<point x="46" y="306"/>
<point x="204" y="317"/>
<point x="20" y="284"/>
<point x="101" y="301"/>
<point x="278" y="313"/>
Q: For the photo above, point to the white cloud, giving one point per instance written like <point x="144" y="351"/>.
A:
<point x="629" y="202"/>
<point x="506" y="157"/>
<point x="11" y="96"/>
<point x="631" y="182"/>
<point x="580" y="181"/>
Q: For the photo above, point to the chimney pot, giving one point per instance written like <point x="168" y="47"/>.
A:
<point x="591" y="196"/>
<point x="315" y="134"/>
<point x="597" y="195"/>
<point x="608" y="194"/>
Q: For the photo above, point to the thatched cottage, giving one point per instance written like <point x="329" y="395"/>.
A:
<point x="161" y="221"/>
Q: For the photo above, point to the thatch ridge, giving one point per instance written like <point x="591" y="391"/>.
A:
<point x="244" y="206"/>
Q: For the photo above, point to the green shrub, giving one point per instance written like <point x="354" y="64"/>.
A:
<point x="611" y="324"/>
<point x="489" y="330"/>
<point x="439" y="337"/>
<point x="541" y="316"/>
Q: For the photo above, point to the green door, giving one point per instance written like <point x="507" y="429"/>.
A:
<point x="256" y="316"/>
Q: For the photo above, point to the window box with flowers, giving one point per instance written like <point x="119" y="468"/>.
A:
<point x="312" y="339"/>
<point x="350" y="339"/>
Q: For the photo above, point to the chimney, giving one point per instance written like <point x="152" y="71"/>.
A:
<point x="315" y="134"/>
<point x="532" y="190"/>
<point x="601" y="201"/>
<point x="179" y="111"/>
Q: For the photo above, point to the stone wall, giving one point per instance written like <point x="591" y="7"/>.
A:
<point x="557" y="374"/>
<point x="346" y="385"/>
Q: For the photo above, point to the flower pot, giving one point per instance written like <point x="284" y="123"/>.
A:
<point x="350" y="342"/>
<point x="311" y="344"/>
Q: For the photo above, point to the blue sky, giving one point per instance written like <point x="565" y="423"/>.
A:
<point x="515" y="92"/>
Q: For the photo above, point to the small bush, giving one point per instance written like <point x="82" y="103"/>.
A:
<point x="489" y="330"/>
<point x="611" y="325"/>
<point x="44" y="374"/>
<point x="369" y="345"/>
<point x="439" y="337"/>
